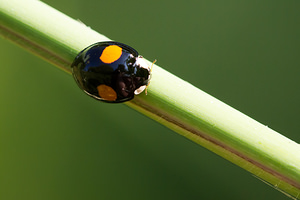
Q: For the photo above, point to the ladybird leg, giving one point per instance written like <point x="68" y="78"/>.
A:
<point x="150" y="75"/>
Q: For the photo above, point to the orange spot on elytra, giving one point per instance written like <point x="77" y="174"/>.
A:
<point x="111" y="54"/>
<point x="106" y="93"/>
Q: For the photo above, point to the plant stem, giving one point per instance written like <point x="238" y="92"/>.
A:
<point x="180" y="106"/>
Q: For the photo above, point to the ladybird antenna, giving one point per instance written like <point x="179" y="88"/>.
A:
<point x="152" y="65"/>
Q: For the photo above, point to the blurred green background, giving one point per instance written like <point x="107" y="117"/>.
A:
<point x="57" y="143"/>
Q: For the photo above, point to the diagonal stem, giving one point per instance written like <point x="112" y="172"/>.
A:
<point x="171" y="101"/>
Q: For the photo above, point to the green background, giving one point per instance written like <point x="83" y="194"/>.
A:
<point x="57" y="143"/>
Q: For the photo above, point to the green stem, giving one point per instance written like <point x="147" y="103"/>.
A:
<point x="170" y="101"/>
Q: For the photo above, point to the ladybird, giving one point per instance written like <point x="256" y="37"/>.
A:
<point x="111" y="72"/>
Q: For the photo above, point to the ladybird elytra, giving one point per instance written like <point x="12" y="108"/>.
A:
<point x="111" y="72"/>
